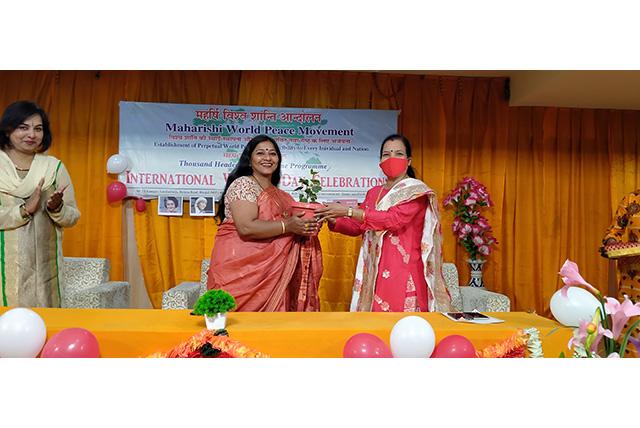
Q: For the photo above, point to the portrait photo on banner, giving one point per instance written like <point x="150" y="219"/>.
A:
<point x="202" y="206"/>
<point x="170" y="205"/>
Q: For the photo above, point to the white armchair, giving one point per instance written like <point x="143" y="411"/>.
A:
<point x="469" y="299"/>
<point x="85" y="284"/>
<point x="185" y="294"/>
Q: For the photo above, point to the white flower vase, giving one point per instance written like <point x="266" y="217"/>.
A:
<point x="475" y="267"/>
<point x="216" y="322"/>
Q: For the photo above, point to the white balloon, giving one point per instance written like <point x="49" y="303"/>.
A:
<point x="412" y="337"/>
<point x="117" y="164"/>
<point x="578" y="305"/>
<point x="22" y="333"/>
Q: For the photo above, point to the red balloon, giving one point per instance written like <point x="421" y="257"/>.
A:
<point x="141" y="205"/>
<point x="116" y="191"/>
<point x="72" y="343"/>
<point x="454" y="346"/>
<point x="365" y="345"/>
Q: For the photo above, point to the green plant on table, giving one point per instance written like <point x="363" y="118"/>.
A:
<point x="214" y="302"/>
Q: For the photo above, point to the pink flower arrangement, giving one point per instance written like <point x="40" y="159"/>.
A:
<point x="601" y="330"/>
<point x="471" y="229"/>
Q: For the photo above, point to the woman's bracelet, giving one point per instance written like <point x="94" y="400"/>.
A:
<point x="284" y="229"/>
<point x="56" y="211"/>
<point x="24" y="213"/>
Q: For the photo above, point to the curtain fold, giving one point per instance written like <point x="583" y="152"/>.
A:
<point x="554" y="174"/>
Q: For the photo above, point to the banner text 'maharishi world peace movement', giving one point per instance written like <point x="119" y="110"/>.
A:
<point x="187" y="150"/>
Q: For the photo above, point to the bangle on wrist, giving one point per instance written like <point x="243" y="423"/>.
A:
<point x="350" y="212"/>
<point x="57" y="210"/>
<point x="26" y="215"/>
<point x="284" y="229"/>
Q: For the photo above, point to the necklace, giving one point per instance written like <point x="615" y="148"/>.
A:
<point x="276" y="199"/>
<point x="16" y="165"/>
<point x="258" y="181"/>
<point x="379" y="194"/>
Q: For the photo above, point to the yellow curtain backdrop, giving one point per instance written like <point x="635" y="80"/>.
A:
<point x="555" y="174"/>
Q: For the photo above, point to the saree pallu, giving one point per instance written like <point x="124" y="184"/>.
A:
<point x="270" y="275"/>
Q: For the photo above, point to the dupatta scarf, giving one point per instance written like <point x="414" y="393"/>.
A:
<point x="431" y="249"/>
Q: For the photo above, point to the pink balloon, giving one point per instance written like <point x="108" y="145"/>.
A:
<point x="365" y="345"/>
<point x="454" y="346"/>
<point x="141" y="205"/>
<point x="72" y="343"/>
<point x="116" y="191"/>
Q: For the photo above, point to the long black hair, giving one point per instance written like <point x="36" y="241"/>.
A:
<point x="243" y="168"/>
<point x="15" y="114"/>
<point x="407" y="147"/>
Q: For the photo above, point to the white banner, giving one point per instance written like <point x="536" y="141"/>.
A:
<point x="187" y="150"/>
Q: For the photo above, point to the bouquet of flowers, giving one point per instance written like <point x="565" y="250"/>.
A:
<point x="471" y="229"/>
<point x="601" y="336"/>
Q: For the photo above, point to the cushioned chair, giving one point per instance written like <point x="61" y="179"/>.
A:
<point x="472" y="298"/>
<point x="86" y="284"/>
<point x="185" y="294"/>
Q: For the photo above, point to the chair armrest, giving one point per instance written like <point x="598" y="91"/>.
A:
<point x="476" y="298"/>
<point x="112" y="294"/>
<point x="182" y="296"/>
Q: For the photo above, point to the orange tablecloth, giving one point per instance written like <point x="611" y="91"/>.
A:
<point x="141" y="332"/>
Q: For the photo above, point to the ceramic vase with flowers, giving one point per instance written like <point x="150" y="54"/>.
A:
<point x="472" y="230"/>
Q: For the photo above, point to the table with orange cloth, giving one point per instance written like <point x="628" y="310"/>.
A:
<point x="141" y="332"/>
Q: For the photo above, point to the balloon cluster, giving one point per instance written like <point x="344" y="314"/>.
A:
<point x="411" y="337"/>
<point x="23" y="335"/>
<point x="117" y="190"/>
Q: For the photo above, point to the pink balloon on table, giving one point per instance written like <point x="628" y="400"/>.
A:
<point x="116" y="191"/>
<point x="365" y="345"/>
<point x="141" y="205"/>
<point x="72" y="343"/>
<point x="454" y="346"/>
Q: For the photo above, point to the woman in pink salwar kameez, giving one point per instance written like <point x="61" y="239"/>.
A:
<point x="400" y="264"/>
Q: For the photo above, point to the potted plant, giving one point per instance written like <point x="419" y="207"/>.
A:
<point x="308" y="195"/>
<point x="214" y="305"/>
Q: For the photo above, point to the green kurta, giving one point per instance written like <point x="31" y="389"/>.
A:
<point x="31" y="249"/>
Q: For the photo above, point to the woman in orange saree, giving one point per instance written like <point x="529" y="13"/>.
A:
<point x="267" y="258"/>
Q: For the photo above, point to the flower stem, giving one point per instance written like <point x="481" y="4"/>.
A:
<point x="623" y="347"/>
<point x="609" y="344"/>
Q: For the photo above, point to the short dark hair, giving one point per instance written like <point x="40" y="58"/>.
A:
<point x="243" y="167"/>
<point x="15" y="114"/>
<point x="172" y="199"/>
<point x="407" y="147"/>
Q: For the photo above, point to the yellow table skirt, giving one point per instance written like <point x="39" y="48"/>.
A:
<point x="141" y="332"/>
